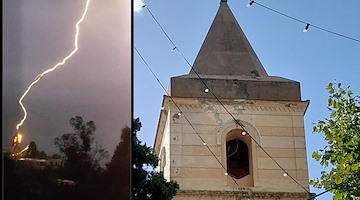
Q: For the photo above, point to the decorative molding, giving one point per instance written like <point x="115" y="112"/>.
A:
<point x="239" y="106"/>
<point x="242" y="193"/>
<point x="231" y="125"/>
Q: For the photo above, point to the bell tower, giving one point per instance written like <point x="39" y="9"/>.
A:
<point x="228" y="130"/>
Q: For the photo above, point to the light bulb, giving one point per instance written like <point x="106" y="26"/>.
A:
<point x="243" y="133"/>
<point x="206" y="90"/>
<point x="306" y="28"/>
<point x="249" y="4"/>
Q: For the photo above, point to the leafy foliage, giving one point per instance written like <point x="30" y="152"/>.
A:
<point x="342" y="154"/>
<point x="81" y="159"/>
<point x="116" y="178"/>
<point x="80" y="177"/>
<point x="148" y="184"/>
<point x="76" y="147"/>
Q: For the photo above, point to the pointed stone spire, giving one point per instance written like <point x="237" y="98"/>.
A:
<point x="226" y="50"/>
<point x="228" y="66"/>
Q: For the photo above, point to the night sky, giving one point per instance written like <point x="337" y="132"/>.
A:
<point x="95" y="83"/>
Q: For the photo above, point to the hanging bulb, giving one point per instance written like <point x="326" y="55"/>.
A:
<point x="179" y="113"/>
<point x="204" y="143"/>
<point x="306" y="28"/>
<point x="285" y="174"/>
<point x="144" y="6"/>
<point x="173" y="49"/>
<point x="226" y="174"/>
<point x="206" y="90"/>
<point x="243" y="133"/>
<point x="250" y="3"/>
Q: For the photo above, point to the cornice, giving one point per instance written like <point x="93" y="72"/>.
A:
<point x="241" y="193"/>
<point x="236" y="105"/>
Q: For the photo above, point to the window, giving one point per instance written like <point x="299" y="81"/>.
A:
<point x="237" y="154"/>
<point x="163" y="159"/>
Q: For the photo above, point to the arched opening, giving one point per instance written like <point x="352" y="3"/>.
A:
<point x="237" y="154"/>
<point x="162" y="159"/>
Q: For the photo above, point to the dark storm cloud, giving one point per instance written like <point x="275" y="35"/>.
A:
<point x="94" y="83"/>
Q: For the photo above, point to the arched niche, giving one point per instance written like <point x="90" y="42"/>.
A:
<point x="244" y="169"/>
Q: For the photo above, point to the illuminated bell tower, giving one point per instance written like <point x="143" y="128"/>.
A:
<point x="247" y="141"/>
<point x="16" y="150"/>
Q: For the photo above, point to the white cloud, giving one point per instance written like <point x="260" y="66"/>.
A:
<point x="138" y="5"/>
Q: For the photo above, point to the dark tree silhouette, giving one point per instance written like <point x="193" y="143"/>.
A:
<point x="116" y="179"/>
<point x="146" y="183"/>
<point x="81" y="159"/>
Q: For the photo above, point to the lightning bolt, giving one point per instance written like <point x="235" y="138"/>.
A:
<point x="38" y="77"/>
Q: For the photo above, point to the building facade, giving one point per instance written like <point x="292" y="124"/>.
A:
<point x="228" y="130"/>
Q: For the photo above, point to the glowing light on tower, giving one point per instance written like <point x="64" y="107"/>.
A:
<point x="38" y="77"/>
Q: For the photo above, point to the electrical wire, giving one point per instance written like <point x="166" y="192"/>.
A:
<point x="180" y="111"/>
<point x="306" y="23"/>
<point x="236" y="121"/>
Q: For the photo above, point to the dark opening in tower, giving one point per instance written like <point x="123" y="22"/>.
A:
<point x="237" y="154"/>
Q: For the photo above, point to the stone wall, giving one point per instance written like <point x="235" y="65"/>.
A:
<point x="276" y="125"/>
<point x="239" y="195"/>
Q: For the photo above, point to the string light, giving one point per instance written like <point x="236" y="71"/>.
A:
<point x="285" y="174"/>
<point x="205" y="144"/>
<point x="179" y="114"/>
<point x="250" y="4"/>
<point x="173" y="49"/>
<point x="306" y="28"/>
<point x="226" y="174"/>
<point x="306" y="23"/>
<point x="192" y="126"/>
<point x="207" y="90"/>
<point x="243" y="133"/>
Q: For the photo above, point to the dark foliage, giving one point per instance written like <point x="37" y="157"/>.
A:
<point x="115" y="181"/>
<point x="79" y="161"/>
<point x="147" y="184"/>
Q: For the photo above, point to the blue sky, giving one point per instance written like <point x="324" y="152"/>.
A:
<point x="314" y="58"/>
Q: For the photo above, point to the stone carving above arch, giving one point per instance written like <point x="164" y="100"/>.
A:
<point x="231" y="125"/>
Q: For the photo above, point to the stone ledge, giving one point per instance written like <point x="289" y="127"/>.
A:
<point x="201" y="104"/>
<point x="242" y="194"/>
<point x="238" y="87"/>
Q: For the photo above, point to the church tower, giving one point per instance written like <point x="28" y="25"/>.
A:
<point x="228" y="130"/>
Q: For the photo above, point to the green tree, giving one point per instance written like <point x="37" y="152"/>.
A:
<point x="146" y="183"/>
<point x="342" y="154"/>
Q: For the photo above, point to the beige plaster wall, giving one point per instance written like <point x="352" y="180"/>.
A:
<point x="277" y="126"/>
